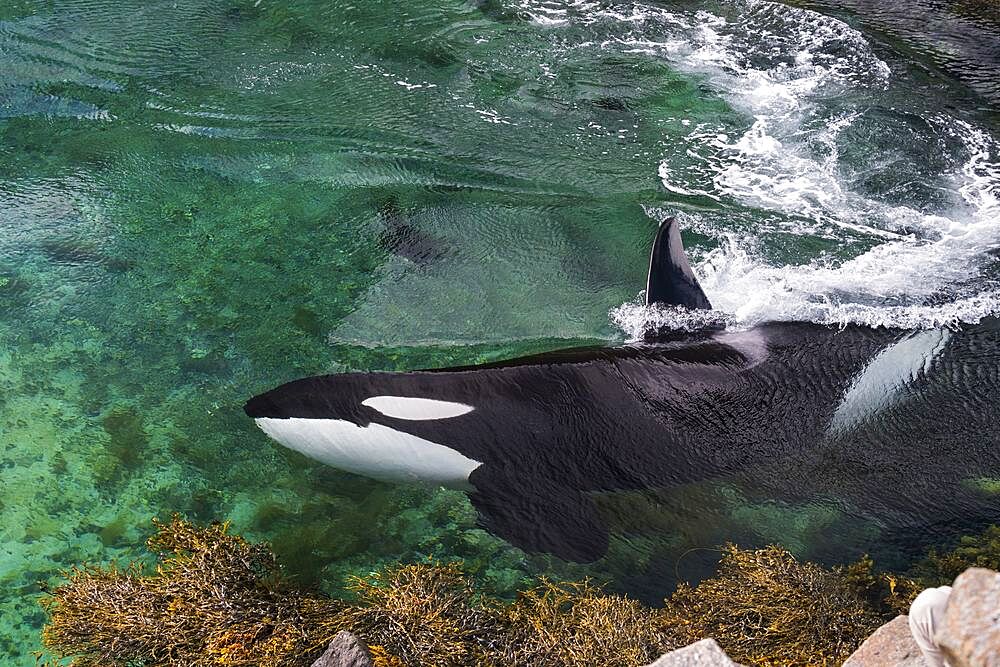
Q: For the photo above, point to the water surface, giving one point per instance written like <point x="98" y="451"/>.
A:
<point x="199" y="201"/>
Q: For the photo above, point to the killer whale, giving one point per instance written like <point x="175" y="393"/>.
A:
<point x="532" y="440"/>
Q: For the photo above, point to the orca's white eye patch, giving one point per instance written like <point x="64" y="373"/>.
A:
<point x="416" y="409"/>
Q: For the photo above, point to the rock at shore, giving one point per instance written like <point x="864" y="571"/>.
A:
<point x="345" y="650"/>
<point x="705" y="653"/>
<point x="970" y="634"/>
<point x="892" y="645"/>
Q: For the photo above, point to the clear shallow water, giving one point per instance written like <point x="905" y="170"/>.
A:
<point x="193" y="208"/>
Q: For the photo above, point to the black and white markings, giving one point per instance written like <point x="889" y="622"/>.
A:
<point x="415" y="408"/>
<point x="374" y="450"/>
<point x="534" y="440"/>
<point x="884" y="381"/>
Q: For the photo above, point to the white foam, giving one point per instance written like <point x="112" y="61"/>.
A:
<point x="636" y="318"/>
<point x="891" y="284"/>
<point x="781" y="67"/>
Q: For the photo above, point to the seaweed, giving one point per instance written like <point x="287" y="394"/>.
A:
<point x="127" y="436"/>
<point x="888" y="593"/>
<point x="214" y="599"/>
<point x="575" y="623"/>
<point x="217" y="599"/>
<point x="426" y="614"/>
<point x="766" y="608"/>
<point x="940" y="568"/>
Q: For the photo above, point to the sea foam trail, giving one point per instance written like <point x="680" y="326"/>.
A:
<point x="812" y="87"/>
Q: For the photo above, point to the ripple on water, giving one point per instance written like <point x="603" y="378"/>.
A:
<point x="962" y="36"/>
<point x="831" y="158"/>
<point x="203" y="199"/>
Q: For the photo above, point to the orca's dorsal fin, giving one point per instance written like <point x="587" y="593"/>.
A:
<point x="671" y="281"/>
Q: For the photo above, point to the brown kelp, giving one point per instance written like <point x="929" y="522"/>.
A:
<point x="216" y="599"/>
<point x="764" y="607"/>
<point x="424" y="614"/>
<point x="569" y="623"/>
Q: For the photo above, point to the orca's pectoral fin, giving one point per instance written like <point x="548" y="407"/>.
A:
<point x="538" y="516"/>
<point x="671" y="281"/>
<point x="403" y="239"/>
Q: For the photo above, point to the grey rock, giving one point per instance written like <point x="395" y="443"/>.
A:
<point x="705" y="653"/>
<point x="892" y="645"/>
<point x="970" y="633"/>
<point x="345" y="650"/>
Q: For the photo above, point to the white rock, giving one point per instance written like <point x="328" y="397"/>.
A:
<point x="345" y="650"/>
<point x="705" y="653"/>
<point x="970" y="634"/>
<point x="892" y="645"/>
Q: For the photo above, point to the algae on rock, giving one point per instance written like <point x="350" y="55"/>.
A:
<point x="764" y="607"/>
<point x="216" y="599"/>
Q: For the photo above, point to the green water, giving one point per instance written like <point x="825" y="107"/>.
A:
<point x="190" y="197"/>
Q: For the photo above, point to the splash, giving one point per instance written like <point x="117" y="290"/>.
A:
<point x="636" y="319"/>
<point x="905" y="198"/>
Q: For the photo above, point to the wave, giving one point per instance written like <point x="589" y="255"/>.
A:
<point x="837" y="146"/>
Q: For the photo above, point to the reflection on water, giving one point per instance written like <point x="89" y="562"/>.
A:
<point x="201" y="200"/>
<point x="961" y="36"/>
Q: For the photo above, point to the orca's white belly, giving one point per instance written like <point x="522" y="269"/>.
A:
<point x="374" y="451"/>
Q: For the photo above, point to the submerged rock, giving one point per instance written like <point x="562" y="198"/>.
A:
<point x="970" y="634"/>
<point x="705" y="653"/>
<point x="345" y="650"/>
<point x="892" y="645"/>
